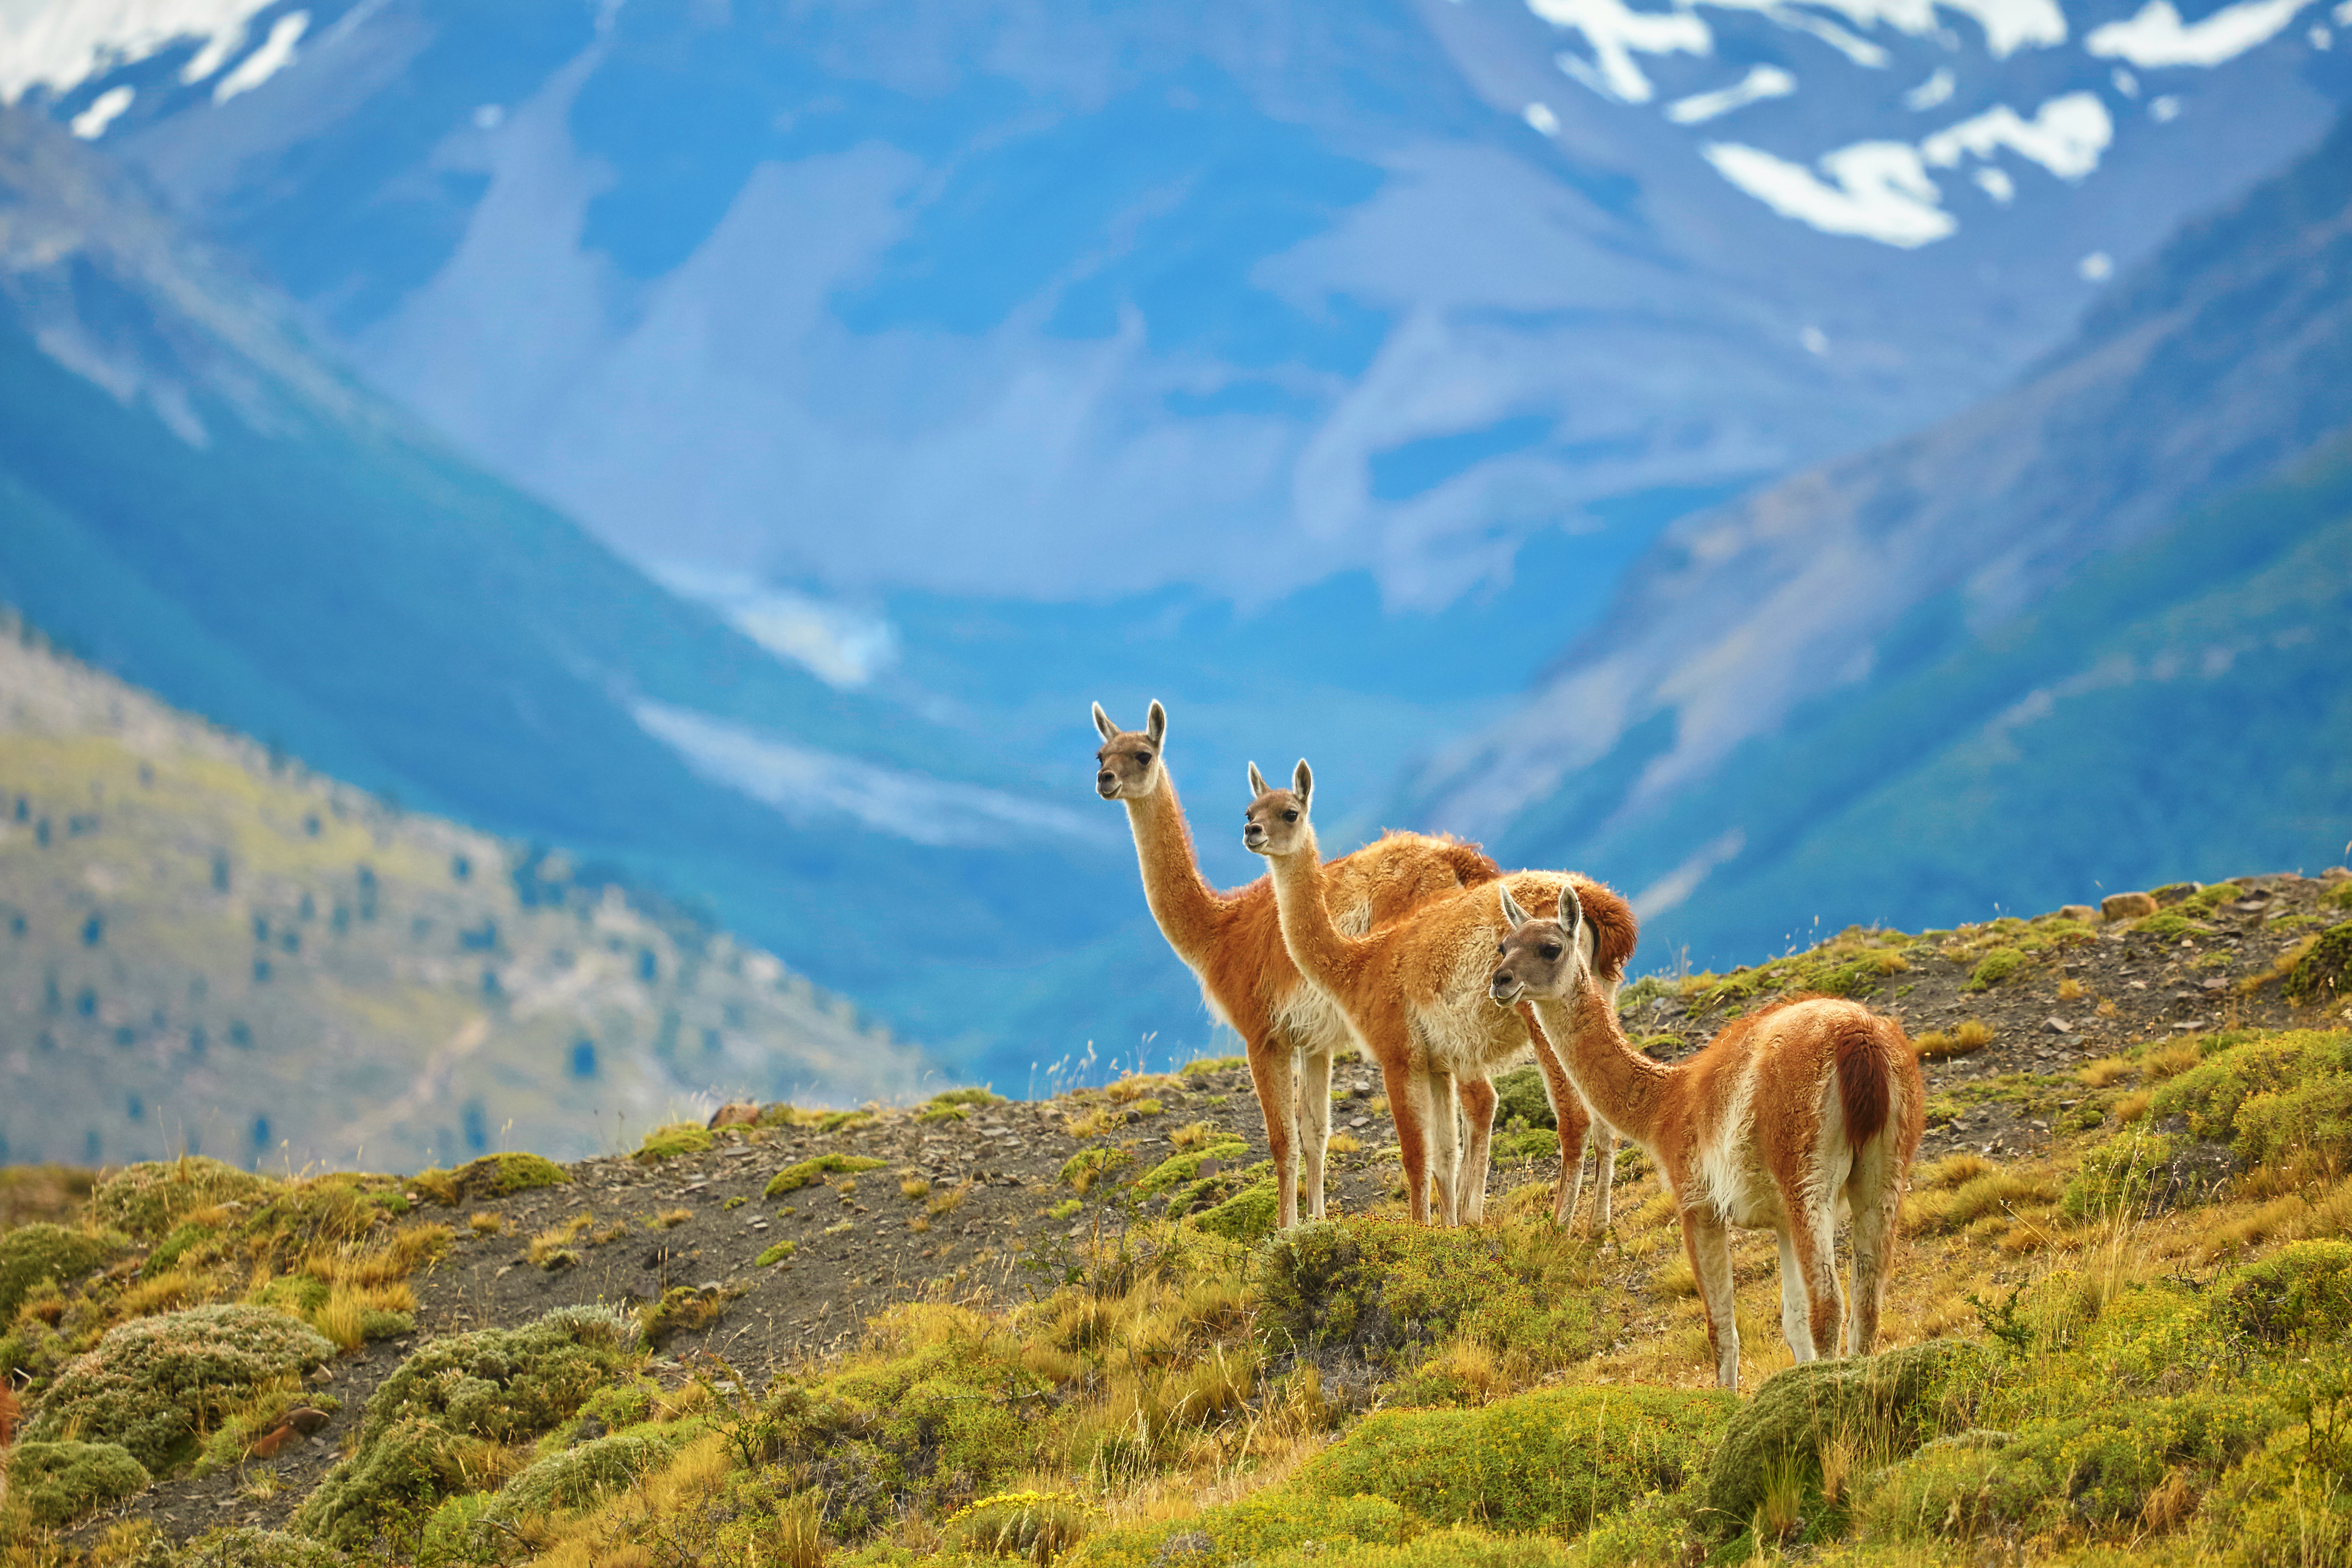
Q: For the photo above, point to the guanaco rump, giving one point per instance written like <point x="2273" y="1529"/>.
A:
<point x="1792" y="1117"/>
<point x="1232" y="943"/>
<point x="1415" y="993"/>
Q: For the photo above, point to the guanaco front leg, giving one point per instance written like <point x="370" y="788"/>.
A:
<point x="1314" y="1127"/>
<point x="1444" y="1148"/>
<point x="1273" y="1075"/>
<point x="1707" y="1248"/>
<point x="1568" y="1113"/>
<point x="1478" y="1099"/>
<point x="1408" y="1094"/>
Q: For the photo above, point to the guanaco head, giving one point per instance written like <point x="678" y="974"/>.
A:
<point x="1539" y="958"/>
<point x="1276" y="822"/>
<point x="1127" y="767"/>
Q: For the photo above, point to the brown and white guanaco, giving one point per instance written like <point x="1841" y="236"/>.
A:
<point x="1413" y="991"/>
<point x="1791" y="1118"/>
<point x="1232" y="942"/>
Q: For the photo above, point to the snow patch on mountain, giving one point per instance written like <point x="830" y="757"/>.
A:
<point x="2157" y="37"/>
<point x="60" y="47"/>
<point x="1876" y="190"/>
<point x="2065" y="136"/>
<point x="276" y="53"/>
<point x="1760" y="83"/>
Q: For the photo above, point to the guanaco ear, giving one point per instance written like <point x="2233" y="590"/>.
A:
<point x="1513" y="916"/>
<point x="1257" y="781"/>
<point x="1103" y="723"/>
<point x="1155" y="724"/>
<point x="1302" y="783"/>
<point x="1571" y="910"/>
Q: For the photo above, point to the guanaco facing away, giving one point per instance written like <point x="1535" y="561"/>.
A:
<point x="1792" y="1117"/>
<point x="1232" y="943"/>
<point x="1413" y="991"/>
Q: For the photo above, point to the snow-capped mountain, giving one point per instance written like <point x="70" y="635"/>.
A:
<point x="1058" y="301"/>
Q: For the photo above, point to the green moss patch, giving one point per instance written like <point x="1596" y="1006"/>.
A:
<point x="1249" y="1216"/>
<point x="146" y="1200"/>
<point x="669" y="1143"/>
<point x="1185" y="1168"/>
<point x="157" y="1386"/>
<point x="1550" y="1461"/>
<point x="1087" y="1166"/>
<point x="57" y="1482"/>
<point x="2323" y="974"/>
<point x="491" y="1177"/>
<point x="808" y="1173"/>
<point x="1995" y="967"/>
<point x="33" y="1252"/>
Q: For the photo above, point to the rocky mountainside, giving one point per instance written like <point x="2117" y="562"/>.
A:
<point x="208" y="949"/>
<point x="1877" y="691"/>
<point x="917" y="299"/>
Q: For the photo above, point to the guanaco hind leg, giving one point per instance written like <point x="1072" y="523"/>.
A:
<point x="1478" y="1099"/>
<point x="1444" y="1148"/>
<point x="1707" y="1248"/>
<point x="1271" y="1065"/>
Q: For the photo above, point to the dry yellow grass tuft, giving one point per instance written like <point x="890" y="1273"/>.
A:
<point x="2170" y="1061"/>
<point x="2105" y="1071"/>
<point x="1973" y="1035"/>
<point x="1192" y="1135"/>
<point x="2070" y="989"/>
<point x="914" y="1188"/>
<point x="670" y="1220"/>
<point x="1343" y="1143"/>
<point x="487" y="1223"/>
<point x="947" y="1202"/>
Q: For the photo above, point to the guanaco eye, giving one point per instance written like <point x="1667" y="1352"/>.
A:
<point x="1290" y="816"/>
<point x="1551" y="951"/>
<point x="1143" y="756"/>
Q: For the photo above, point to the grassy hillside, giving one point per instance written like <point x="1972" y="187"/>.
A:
<point x="206" y="948"/>
<point x="972" y="1330"/>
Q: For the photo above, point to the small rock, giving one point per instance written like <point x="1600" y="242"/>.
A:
<point x="734" y="1113"/>
<point x="2173" y="892"/>
<point x="2126" y="906"/>
<point x="306" y="1419"/>
<point x="2077" y="912"/>
<point x="2058" y="1025"/>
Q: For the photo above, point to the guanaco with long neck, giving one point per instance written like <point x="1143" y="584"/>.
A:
<point x="1413" y="991"/>
<point x="1791" y="1118"/>
<point x="1232" y="943"/>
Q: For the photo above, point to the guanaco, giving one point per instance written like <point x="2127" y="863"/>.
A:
<point x="1232" y="943"/>
<point x="1791" y="1118"/>
<point x="1413" y="993"/>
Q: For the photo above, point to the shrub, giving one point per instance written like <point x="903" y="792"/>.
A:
<point x="575" y="1478"/>
<point x="1252" y="1530"/>
<point x="57" y="1482"/>
<point x="157" y="1385"/>
<point x="31" y="1253"/>
<point x="2285" y="1507"/>
<point x="1380" y="1292"/>
<point x="2325" y="972"/>
<point x="148" y="1199"/>
<point x="669" y="1143"/>
<point x="445" y="1403"/>
<point x="491" y="1177"/>
<point x="1887" y="1404"/>
<point x="2303" y="1290"/>
<point x="1995" y="967"/>
<point x="249" y="1548"/>
<point x="1520" y="1092"/>
<point x="808" y="1173"/>
<point x="1039" y="1526"/>
<point x="2270" y="1096"/>
<point x="1554" y="1460"/>
<point x="2121" y="1174"/>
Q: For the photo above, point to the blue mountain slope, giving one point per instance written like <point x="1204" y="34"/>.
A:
<point x="2089" y="637"/>
<point x="203" y="507"/>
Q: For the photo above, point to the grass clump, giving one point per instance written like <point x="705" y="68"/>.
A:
<point x="2268" y="1097"/>
<point x="1994" y="967"/>
<point x="33" y="1254"/>
<point x="1087" y="1166"/>
<point x="1201" y="1066"/>
<point x="776" y="1253"/>
<point x="158" y="1386"/>
<point x="1381" y="1294"/>
<point x="684" y="1310"/>
<point x="1183" y="1169"/>
<point x="1276" y="1527"/>
<point x="2323" y="974"/>
<point x="671" y="1142"/>
<point x="579" y="1476"/>
<point x="440" y="1423"/>
<point x="147" y="1200"/>
<point x="2303" y="1291"/>
<point x="808" y="1173"/>
<point x="56" y="1482"/>
<point x="491" y="1177"/>
<point x="1037" y="1526"/>
<point x="246" y="1547"/>
<point x="1973" y="1035"/>
<point x="1554" y="1460"/>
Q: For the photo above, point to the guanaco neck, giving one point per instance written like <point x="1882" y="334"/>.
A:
<point x="1323" y="953"/>
<point x="1625" y="1088"/>
<point x="1182" y="900"/>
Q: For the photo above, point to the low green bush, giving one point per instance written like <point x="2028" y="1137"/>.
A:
<point x="577" y="1476"/>
<point x="33" y="1252"/>
<point x="2304" y="1290"/>
<point x="669" y="1143"/>
<point x="2269" y="1096"/>
<point x="246" y="1547"/>
<point x="1178" y="1170"/>
<point x="491" y="1177"/>
<point x="2323" y="974"/>
<point x="58" y="1481"/>
<point x="2118" y="1176"/>
<point x="1995" y="967"/>
<point x="2286" y="1506"/>
<point x="1884" y="1405"/>
<point x="148" y="1199"/>
<point x="157" y="1386"/>
<point x="1555" y="1460"/>
<point x="1257" y="1532"/>
<point x="1249" y="1216"/>
<point x="1037" y="1526"/>
<point x="808" y="1173"/>
<point x="1520" y="1092"/>
<point x="1383" y="1291"/>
